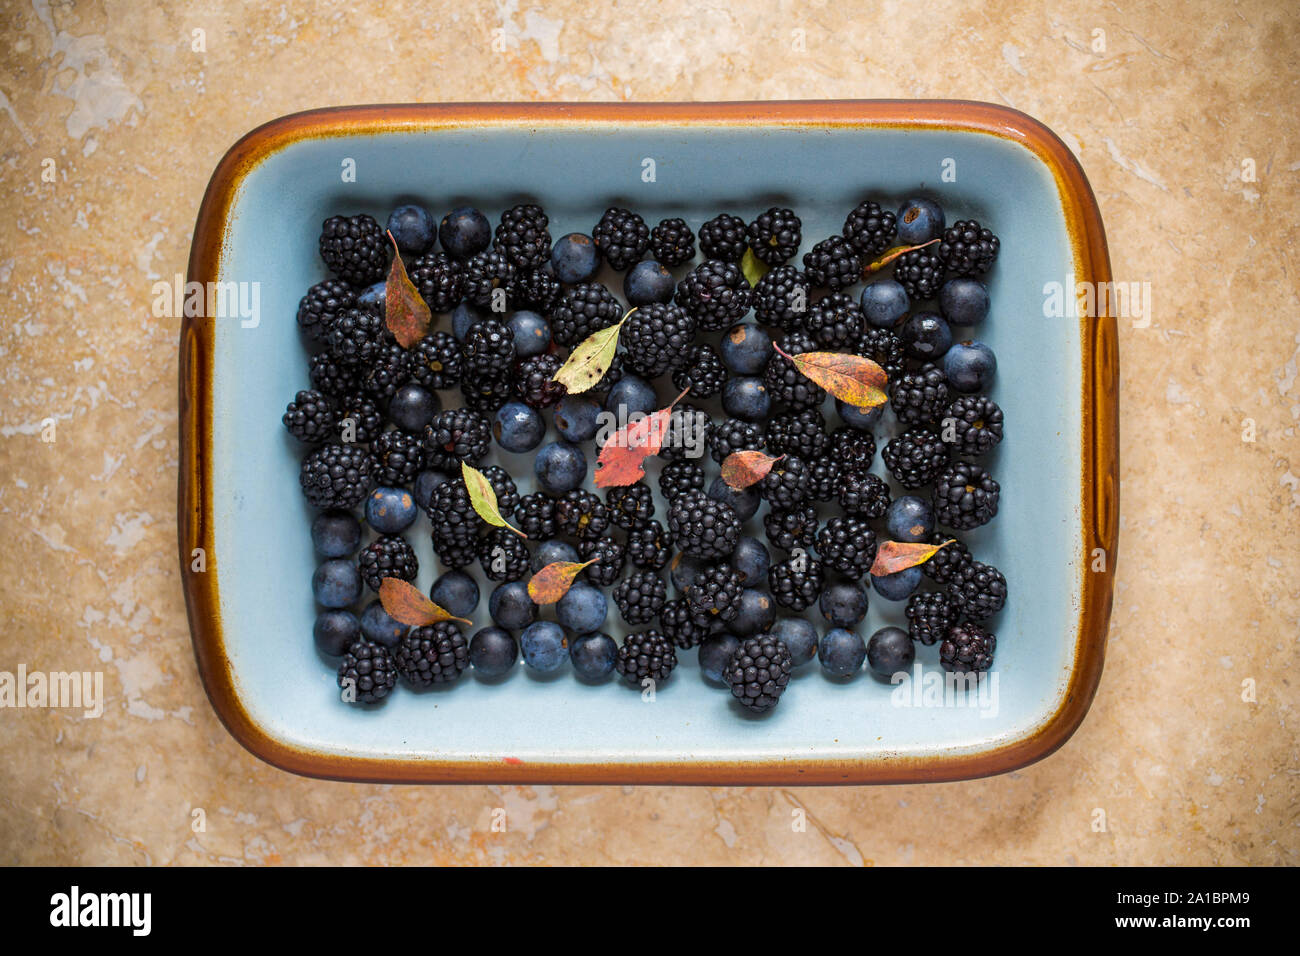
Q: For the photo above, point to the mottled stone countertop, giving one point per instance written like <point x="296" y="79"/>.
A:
<point x="1185" y="119"/>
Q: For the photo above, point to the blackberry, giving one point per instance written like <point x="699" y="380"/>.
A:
<point x="853" y="448"/>
<point x="801" y="433"/>
<point x="919" y="397"/>
<point x="832" y="263"/>
<point x="731" y="436"/>
<point x="797" y="582"/>
<point x="920" y="273"/>
<point x="483" y="274"/>
<point x="824" y="478"/>
<point x="714" y="595"/>
<point x="930" y="615"/>
<point x="367" y="670"/>
<point x="359" y="419"/>
<point x="785" y="383"/>
<point x="582" y="310"/>
<point x="434" y="654"/>
<point x="610" y="557"/>
<point x="389" y="370"/>
<point x="835" y="322"/>
<point x="979" y="590"/>
<point x="323" y="301"/>
<point x="967" y="647"/>
<point x="354" y="248"/>
<point x="948" y="563"/>
<point x="503" y="486"/>
<point x="702" y="371"/>
<point x="435" y="361"/>
<point x="311" y="417"/>
<point x="454" y="555"/>
<point x="965" y="496"/>
<point x="680" y="477"/>
<point x="534" y="380"/>
<point x="456" y="435"/>
<point x="672" y="242"/>
<point x="455" y="522"/>
<point x="337" y="476"/>
<point x="388" y="556"/>
<point x="535" y="516"/>
<point x="646" y="655"/>
<point x="702" y="527"/>
<point x="399" y="457"/>
<point x="536" y="289"/>
<point x="915" y="457"/>
<point x="522" y="236"/>
<point x="622" y="237"/>
<point x="640" y="596"/>
<point x="678" y="624"/>
<point x="655" y="338"/>
<point x="781" y="298"/>
<point x="847" y="545"/>
<point x="488" y="393"/>
<point x="862" y="493"/>
<point x="580" y="514"/>
<point x="503" y="555"/>
<point x="723" y="238"/>
<point x="775" y="235"/>
<point x="884" y="348"/>
<point x="786" y="485"/>
<point x="439" y="280"/>
<point x="687" y="433"/>
<point x="792" y="528"/>
<point x="977" y="425"/>
<point x="759" y="672"/>
<point x="869" y="229"/>
<point x="628" y="505"/>
<point x="967" y="248"/>
<point x="648" y="545"/>
<point x="489" y="349"/>
<point x="715" y="293"/>
<point x="613" y="375"/>
<point x="356" y="335"/>
<point x="331" y="377"/>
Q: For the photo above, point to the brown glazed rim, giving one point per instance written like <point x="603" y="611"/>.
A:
<point x="1099" y="507"/>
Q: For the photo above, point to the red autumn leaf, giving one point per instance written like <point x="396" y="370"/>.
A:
<point x="854" y="380"/>
<point x="895" y="556"/>
<point x="553" y="581"/>
<point x="408" y="605"/>
<point x="619" y="462"/>
<point x="405" y="313"/>
<point x="890" y="255"/>
<point x="741" y="469"/>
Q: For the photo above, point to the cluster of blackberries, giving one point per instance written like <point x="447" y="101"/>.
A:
<point x="387" y="429"/>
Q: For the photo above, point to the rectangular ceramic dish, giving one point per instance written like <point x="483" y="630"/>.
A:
<point x="251" y="610"/>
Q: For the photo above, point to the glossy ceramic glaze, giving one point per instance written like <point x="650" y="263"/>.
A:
<point x="251" y="611"/>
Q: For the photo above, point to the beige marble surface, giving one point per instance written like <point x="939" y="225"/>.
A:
<point x="133" y="120"/>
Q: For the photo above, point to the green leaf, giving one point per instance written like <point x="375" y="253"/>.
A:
<point x="589" y="362"/>
<point x="484" y="498"/>
<point x="753" y="267"/>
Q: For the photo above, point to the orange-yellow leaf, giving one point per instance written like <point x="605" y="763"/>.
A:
<point x="620" y="461"/>
<point x="407" y="604"/>
<point x="895" y="556"/>
<point x="405" y="313"/>
<point x="553" y="582"/>
<point x="889" y="255"/>
<point x="854" y="380"/>
<point x="741" y="469"/>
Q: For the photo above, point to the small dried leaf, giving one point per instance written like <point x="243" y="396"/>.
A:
<point x="405" y="313"/>
<point x="553" y="582"/>
<point x="753" y="267"/>
<point x="407" y="604"/>
<point x="895" y="556"/>
<point x="484" y="498"/>
<point x="619" y="462"/>
<point x="854" y="380"/>
<point x="741" y="469"/>
<point x="590" y="360"/>
<point x="890" y="255"/>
